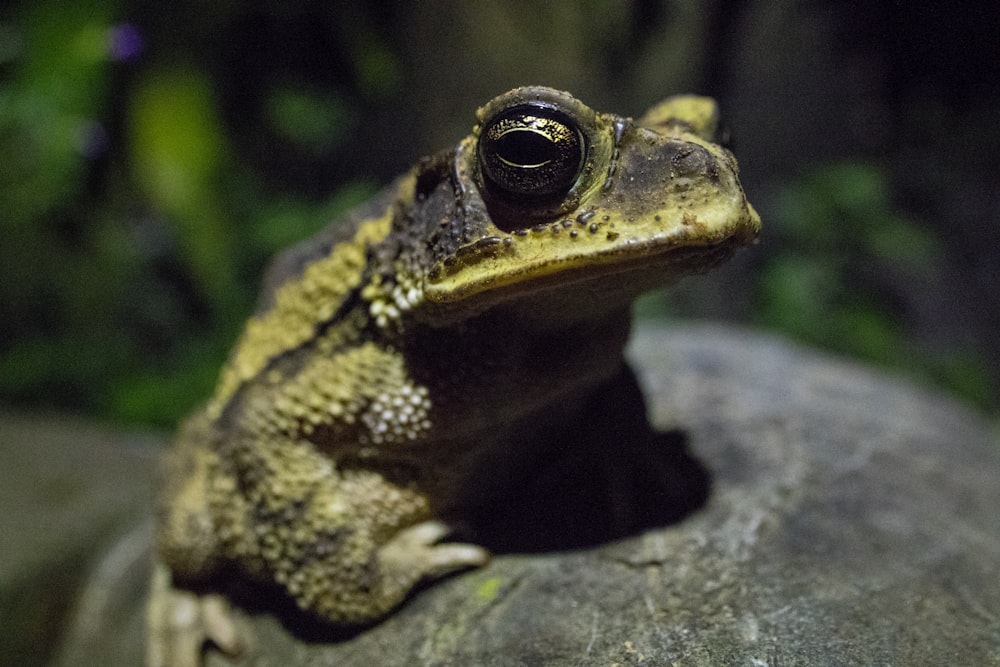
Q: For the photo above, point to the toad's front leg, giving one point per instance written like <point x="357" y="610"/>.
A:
<point x="181" y="623"/>
<point x="347" y="546"/>
<point x="352" y="547"/>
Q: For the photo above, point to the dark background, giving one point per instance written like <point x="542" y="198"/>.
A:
<point x="153" y="155"/>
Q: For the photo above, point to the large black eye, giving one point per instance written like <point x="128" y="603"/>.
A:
<point x="532" y="150"/>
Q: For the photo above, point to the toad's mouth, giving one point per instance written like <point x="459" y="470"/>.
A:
<point x="496" y="268"/>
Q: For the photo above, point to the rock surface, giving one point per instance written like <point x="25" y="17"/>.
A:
<point x="853" y="520"/>
<point x="69" y="491"/>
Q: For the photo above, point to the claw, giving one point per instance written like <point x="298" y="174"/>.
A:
<point x="418" y="544"/>
<point x="180" y="622"/>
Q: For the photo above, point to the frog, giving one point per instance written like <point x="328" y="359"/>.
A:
<point x="415" y="362"/>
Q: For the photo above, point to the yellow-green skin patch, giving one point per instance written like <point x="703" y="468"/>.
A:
<point x="298" y="306"/>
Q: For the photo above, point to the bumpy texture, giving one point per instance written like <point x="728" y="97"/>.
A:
<point x="407" y="365"/>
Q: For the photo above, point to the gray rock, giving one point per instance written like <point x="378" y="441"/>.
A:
<point x="69" y="490"/>
<point x="853" y="520"/>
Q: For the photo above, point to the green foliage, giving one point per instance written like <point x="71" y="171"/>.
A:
<point x="133" y="235"/>
<point x="312" y="120"/>
<point x="58" y="80"/>
<point x="178" y="157"/>
<point x="843" y="271"/>
<point x="46" y="108"/>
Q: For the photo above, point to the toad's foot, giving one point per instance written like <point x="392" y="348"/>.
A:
<point x="413" y="555"/>
<point x="416" y="550"/>
<point x="179" y="623"/>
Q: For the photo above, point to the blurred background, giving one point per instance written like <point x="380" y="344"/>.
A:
<point x="153" y="155"/>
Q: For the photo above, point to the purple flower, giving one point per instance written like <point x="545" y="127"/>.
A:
<point x="124" y="42"/>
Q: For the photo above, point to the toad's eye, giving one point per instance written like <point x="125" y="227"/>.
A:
<point x="532" y="150"/>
